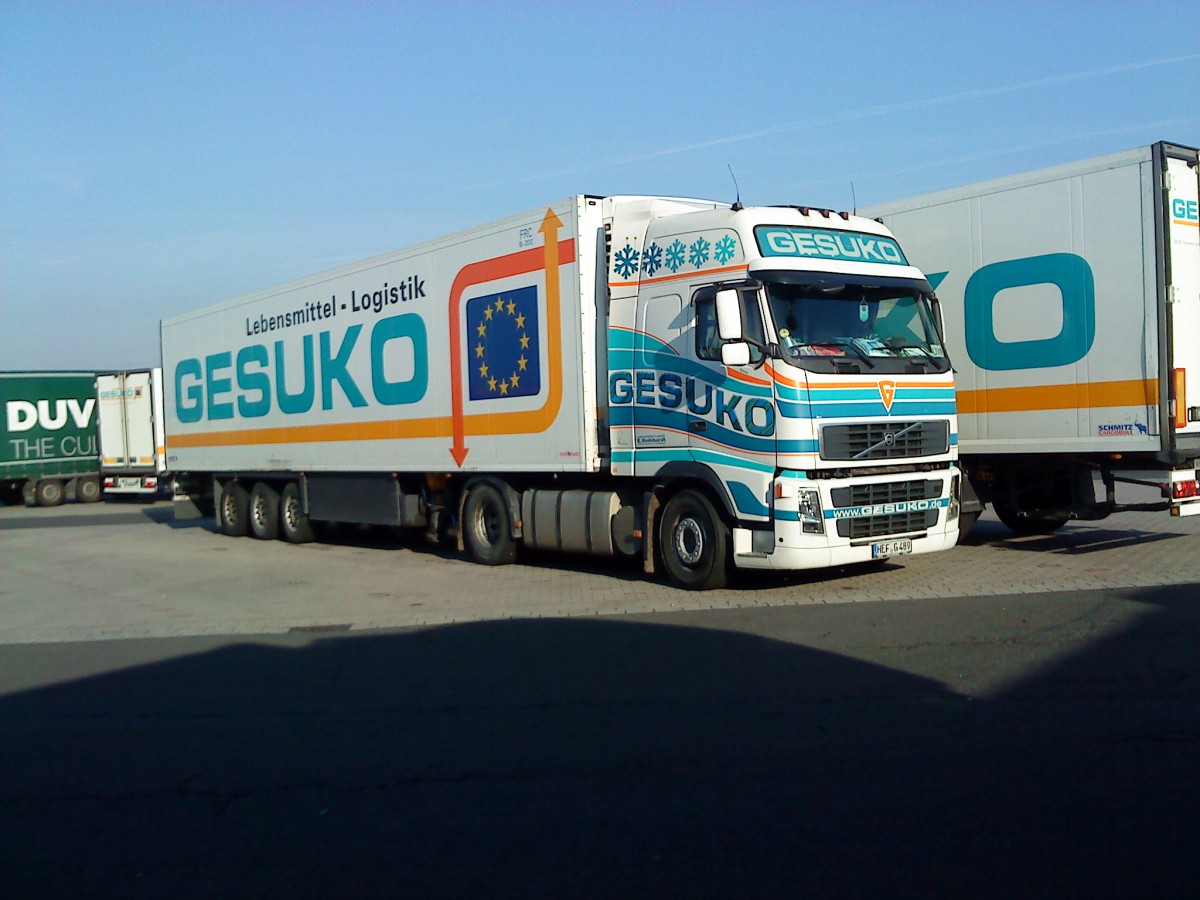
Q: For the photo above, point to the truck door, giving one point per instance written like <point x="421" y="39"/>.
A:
<point x="1183" y="293"/>
<point x="660" y="347"/>
<point x="731" y="409"/>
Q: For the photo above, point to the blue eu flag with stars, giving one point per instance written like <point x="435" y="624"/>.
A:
<point x="502" y="341"/>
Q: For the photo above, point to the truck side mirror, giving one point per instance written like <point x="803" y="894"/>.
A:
<point x="938" y="321"/>
<point x="735" y="353"/>
<point x="729" y="315"/>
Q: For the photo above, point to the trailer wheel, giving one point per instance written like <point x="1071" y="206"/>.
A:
<point x="1028" y="523"/>
<point x="232" y="510"/>
<point x="87" y="490"/>
<point x="694" y="542"/>
<point x="264" y="512"/>
<point x="49" y="492"/>
<point x="294" y="526"/>
<point x="487" y="528"/>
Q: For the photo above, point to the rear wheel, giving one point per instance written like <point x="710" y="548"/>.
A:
<point x="487" y="527"/>
<point x="694" y="542"/>
<point x="49" y="492"/>
<point x="87" y="490"/>
<point x="294" y="526"/>
<point x="264" y="512"/>
<point x="233" y="510"/>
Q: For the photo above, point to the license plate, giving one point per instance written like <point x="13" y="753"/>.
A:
<point x="891" y="548"/>
<point x="130" y="483"/>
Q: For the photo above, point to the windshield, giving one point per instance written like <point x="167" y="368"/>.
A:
<point x="825" y="326"/>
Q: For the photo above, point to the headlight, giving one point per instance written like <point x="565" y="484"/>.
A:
<point x="954" y="500"/>
<point x="812" y="518"/>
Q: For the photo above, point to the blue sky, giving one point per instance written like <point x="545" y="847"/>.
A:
<point x="157" y="157"/>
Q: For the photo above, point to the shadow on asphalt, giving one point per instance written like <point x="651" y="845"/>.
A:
<point x="384" y="538"/>
<point x="1077" y="538"/>
<point x="569" y="758"/>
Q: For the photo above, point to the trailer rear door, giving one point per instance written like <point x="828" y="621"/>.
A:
<point x="127" y="422"/>
<point x="1182" y="251"/>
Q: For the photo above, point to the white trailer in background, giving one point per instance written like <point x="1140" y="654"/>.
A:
<point x="1072" y="304"/>
<point x="131" y="426"/>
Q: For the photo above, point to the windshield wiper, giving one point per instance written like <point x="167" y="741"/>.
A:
<point x="842" y="342"/>
<point x="896" y="346"/>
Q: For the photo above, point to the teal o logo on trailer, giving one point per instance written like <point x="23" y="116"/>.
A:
<point x="1077" y="290"/>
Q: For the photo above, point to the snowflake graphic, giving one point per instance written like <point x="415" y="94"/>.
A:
<point x="652" y="259"/>
<point x="698" y="252"/>
<point x="627" y="261"/>
<point x="675" y="254"/>
<point x="725" y="249"/>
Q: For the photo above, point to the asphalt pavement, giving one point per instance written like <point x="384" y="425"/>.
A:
<point x="597" y="734"/>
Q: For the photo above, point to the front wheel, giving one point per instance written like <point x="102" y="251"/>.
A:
<point x="694" y="541"/>
<point x="487" y="527"/>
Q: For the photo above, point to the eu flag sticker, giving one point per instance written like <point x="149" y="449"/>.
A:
<point x="502" y="334"/>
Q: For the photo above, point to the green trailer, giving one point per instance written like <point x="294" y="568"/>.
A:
<point x="48" y="446"/>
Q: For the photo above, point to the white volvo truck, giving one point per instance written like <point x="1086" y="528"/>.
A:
<point x="698" y="385"/>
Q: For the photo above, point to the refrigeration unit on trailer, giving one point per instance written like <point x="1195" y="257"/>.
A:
<point x="131" y="430"/>
<point x="48" y="443"/>
<point x="696" y="385"/>
<point x="1072" y="305"/>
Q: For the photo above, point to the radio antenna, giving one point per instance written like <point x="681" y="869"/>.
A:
<point x="854" y="198"/>
<point x="737" y="204"/>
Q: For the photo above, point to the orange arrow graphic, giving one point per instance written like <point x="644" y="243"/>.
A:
<point x="548" y="258"/>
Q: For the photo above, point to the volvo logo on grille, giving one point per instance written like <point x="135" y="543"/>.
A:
<point x="888" y="441"/>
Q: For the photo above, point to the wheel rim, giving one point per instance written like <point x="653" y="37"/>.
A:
<point x="487" y="524"/>
<point x="291" y="514"/>
<point x="689" y="542"/>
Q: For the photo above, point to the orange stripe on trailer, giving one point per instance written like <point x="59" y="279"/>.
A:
<point x="391" y="429"/>
<point x="1097" y="395"/>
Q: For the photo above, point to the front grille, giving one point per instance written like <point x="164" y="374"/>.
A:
<point x="889" y="492"/>
<point x="879" y="526"/>
<point x="885" y="440"/>
<point x="884" y="493"/>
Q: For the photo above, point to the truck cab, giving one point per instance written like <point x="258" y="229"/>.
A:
<point x="783" y="367"/>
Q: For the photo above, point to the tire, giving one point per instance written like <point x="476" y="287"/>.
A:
<point x="694" y="542"/>
<point x="487" y="527"/>
<point x="264" y="512"/>
<point x="233" y="510"/>
<point x="294" y="526"/>
<point x="49" y="492"/>
<point x="87" y="490"/>
<point x="1028" y="524"/>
